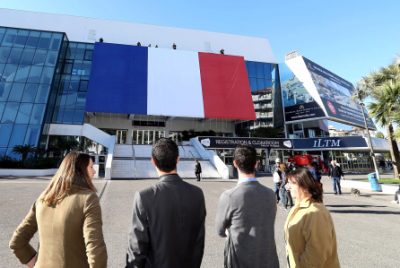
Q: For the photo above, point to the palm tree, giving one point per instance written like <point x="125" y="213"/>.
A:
<point x="385" y="109"/>
<point x="383" y="87"/>
<point x="24" y="150"/>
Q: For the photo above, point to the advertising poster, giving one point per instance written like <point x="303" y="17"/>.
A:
<point x="336" y="95"/>
<point x="298" y="103"/>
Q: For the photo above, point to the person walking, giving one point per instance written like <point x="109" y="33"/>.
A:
<point x="197" y="170"/>
<point x="286" y="196"/>
<point x="277" y="178"/>
<point x="336" y="173"/>
<point x="309" y="231"/>
<point x="67" y="216"/>
<point x="246" y="217"/>
<point x="168" y="218"/>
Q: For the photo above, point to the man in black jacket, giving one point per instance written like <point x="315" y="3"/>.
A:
<point x="336" y="173"/>
<point x="197" y="170"/>
<point x="168" y="218"/>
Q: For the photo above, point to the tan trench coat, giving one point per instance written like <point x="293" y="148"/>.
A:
<point x="70" y="233"/>
<point x="310" y="237"/>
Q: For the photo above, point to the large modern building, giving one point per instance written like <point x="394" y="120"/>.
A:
<point x="119" y="83"/>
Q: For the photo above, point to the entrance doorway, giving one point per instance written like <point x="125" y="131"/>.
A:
<point x="147" y="136"/>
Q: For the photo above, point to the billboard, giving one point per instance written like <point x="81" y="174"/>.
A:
<point x="336" y="95"/>
<point x="298" y="104"/>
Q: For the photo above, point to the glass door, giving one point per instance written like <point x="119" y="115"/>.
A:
<point x="121" y="136"/>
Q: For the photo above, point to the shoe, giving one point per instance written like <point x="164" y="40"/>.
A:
<point x="335" y="193"/>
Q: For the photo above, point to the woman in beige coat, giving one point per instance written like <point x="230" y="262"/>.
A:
<point x="309" y="231"/>
<point x="68" y="217"/>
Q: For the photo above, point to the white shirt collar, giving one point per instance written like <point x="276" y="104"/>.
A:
<point x="241" y="180"/>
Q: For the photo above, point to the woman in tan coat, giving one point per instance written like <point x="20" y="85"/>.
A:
<point x="309" y="231"/>
<point x="68" y="217"/>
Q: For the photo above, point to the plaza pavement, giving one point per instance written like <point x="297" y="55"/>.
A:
<point x="367" y="227"/>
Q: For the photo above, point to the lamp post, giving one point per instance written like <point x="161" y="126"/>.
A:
<point x="371" y="148"/>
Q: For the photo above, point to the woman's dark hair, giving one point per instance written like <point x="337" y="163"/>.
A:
<point x="305" y="180"/>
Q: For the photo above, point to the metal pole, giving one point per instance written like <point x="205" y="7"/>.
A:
<point x="370" y="142"/>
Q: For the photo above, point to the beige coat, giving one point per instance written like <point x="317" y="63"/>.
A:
<point x="310" y="237"/>
<point x="70" y="234"/>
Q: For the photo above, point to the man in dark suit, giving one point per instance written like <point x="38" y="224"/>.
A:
<point x="168" y="217"/>
<point x="246" y="216"/>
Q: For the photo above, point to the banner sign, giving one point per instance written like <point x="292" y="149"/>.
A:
<point x="326" y="143"/>
<point x="231" y="143"/>
<point x="329" y="143"/>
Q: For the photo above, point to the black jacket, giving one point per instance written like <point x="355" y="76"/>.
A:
<point x="197" y="168"/>
<point x="167" y="225"/>
<point x="335" y="171"/>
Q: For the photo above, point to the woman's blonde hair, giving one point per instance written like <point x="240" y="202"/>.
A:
<point x="72" y="171"/>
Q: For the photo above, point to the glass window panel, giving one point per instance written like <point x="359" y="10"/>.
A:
<point x="9" y="72"/>
<point x="5" y="130"/>
<point x="24" y="113"/>
<point x="51" y="59"/>
<point x="37" y="114"/>
<point x="9" y="37"/>
<point x="4" y="53"/>
<point x="2" y="66"/>
<point x="74" y="85"/>
<point x="78" y="116"/>
<point x="10" y="112"/>
<point x="3" y="152"/>
<point x="27" y="56"/>
<point x="33" y="39"/>
<point x="267" y="70"/>
<point x="253" y="84"/>
<point x="47" y="75"/>
<point x="30" y="92"/>
<point x="81" y="100"/>
<point x="13" y="155"/>
<point x="56" y="41"/>
<point x="44" y="41"/>
<point x="88" y="54"/>
<point x="18" y="135"/>
<point x="35" y="73"/>
<point x="4" y="90"/>
<point x="68" y="116"/>
<point x="58" y="115"/>
<point x="15" y="55"/>
<point x="16" y="92"/>
<point x="68" y="68"/>
<point x="259" y="70"/>
<point x="2" y="33"/>
<point x="21" y="38"/>
<point x="71" y="100"/>
<point x="43" y="93"/>
<point x="260" y="84"/>
<point x="2" y="106"/>
<point x="83" y="85"/>
<point x="86" y="66"/>
<point x="32" y="135"/>
<point x="251" y="69"/>
<point x="40" y="57"/>
<point x="22" y="73"/>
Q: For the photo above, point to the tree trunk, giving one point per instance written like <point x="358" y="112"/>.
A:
<point x="394" y="151"/>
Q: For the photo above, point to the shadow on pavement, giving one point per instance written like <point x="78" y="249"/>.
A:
<point x="355" y="206"/>
<point x="365" y="212"/>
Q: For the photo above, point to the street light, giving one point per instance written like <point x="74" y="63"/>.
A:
<point x="371" y="148"/>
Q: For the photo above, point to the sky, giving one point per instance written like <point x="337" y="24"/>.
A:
<point x="350" y="38"/>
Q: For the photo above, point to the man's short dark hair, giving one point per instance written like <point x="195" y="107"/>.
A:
<point x="246" y="158"/>
<point x="165" y="154"/>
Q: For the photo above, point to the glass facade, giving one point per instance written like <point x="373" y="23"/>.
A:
<point x="28" y="62"/>
<point x="265" y="91"/>
<point x="71" y="98"/>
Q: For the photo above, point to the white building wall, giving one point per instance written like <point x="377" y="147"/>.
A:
<point x="90" y="30"/>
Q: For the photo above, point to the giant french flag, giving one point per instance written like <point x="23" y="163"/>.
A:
<point x="155" y="81"/>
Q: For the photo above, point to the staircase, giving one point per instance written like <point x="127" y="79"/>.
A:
<point x="133" y="162"/>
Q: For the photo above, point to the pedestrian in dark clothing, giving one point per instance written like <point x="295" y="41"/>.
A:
<point x="168" y="218"/>
<point x="336" y="173"/>
<point x="197" y="170"/>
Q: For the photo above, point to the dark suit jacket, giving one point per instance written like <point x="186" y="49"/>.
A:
<point x="167" y="225"/>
